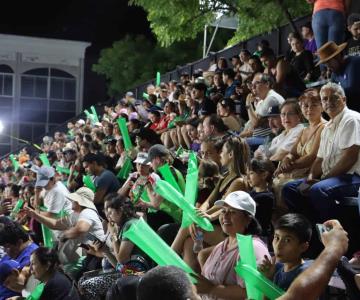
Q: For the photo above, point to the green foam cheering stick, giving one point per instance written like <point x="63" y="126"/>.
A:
<point x="47" y="236"/>
<point x="14" y="162"/>
<point x="258" y="280"/>
<point x="89" y="183"/>
<point x="44" y="160"/>
<point x="247" y="256"/>
<point x="94" y="113"/>
<point x="165" y="190"/>
<point x="18" y="206"/>
<point x="141" y="234"/>
<point x="37" y="292"/>
<point x="158" y="78"/>
<point x="165" y="172"/>
<point x="256" y="283"/>
<point x="191" y="186"/>
<point x="126" y="169"/>
<point x="125" y="133"/>
<point x="65" y="170"/>
<point x="145" y="96"/>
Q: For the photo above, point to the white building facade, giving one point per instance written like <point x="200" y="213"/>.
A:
<point x="41" y="86"/>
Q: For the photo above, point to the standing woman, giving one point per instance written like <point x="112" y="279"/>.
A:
<point x="328" y="20"/>
<point x="45" y="267"/>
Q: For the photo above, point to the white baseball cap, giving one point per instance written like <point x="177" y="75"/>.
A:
<point x="239" y="200"/>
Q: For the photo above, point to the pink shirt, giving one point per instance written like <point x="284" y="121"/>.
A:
<point x="219" y="267"/>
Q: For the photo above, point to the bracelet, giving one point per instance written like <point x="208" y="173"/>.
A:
<point x="247" y="106"/>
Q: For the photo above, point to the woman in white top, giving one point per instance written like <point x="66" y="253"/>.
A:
<point x="291" y="118"/>
<point x="82" y="226"/>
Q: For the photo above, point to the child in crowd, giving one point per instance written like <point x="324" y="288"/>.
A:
<point x="208" y="178"/>
<point x="260" y="179"/>
<point x="291" y="240"/>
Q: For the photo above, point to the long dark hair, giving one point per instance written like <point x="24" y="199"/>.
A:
<point x="47" y="256"/>
<point x="241" y="154"/>
<point x="123" y="204"/>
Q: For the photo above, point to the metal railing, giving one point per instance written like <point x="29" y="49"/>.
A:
<point x="278" y="42"/>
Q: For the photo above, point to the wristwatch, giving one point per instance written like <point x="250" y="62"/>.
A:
<point x="247" y="106"/>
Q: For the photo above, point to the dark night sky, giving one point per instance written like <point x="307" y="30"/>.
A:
<point x="100" y="22"/>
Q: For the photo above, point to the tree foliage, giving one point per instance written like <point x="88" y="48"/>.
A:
<point x="177" y="20"/>
<point x="134" y="60"/>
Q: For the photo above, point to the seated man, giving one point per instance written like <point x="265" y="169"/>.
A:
<point x="334" y="173"/>
<point x="262" y="98"/>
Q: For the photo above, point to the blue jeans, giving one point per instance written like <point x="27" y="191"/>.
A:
<point x="319" y="204"/>
<point x="328" y="25"/>
<point x="255" y="142"/>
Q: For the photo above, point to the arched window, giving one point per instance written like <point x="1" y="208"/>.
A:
<point x="6" y="81"/>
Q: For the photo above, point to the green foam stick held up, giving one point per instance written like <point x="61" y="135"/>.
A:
<point x="158" y="78"/>
<point x="65" y="170"/>
<point x="141" y="234"/>
<point x="94" y="113"/>
<point x="14" y="162"/>
<point x="47" y="236"/>
<point x="191" y="189"/>
<point x="126" y="169"/>
<point x="145" y="96"/>
<point x="247" y="257"/>
<point x="18" y="206"/>
<point x="44" y="160"/>
<point x="37" y="292"/>
<point x="165" y="190"/>
<point x="89" y="183"/>
<point x="125" y="133"/>
<point x="37" y="147"/>
<point x="258" y="280"/>
<point x="169" y="177"/>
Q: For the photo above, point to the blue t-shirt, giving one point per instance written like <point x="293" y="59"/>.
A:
<point x="107" y="181"/>
<point x="349" y="79"/>
<point x="24" y="260"/>
<point x="230" y="89"/>
<point x="284" y="279"/>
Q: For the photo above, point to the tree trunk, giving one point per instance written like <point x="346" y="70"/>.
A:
<point x="287" y="15"/>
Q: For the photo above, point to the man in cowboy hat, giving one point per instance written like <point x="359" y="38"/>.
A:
<point x="345" y="71"/>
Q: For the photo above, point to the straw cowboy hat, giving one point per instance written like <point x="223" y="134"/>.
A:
<point x="328" y="51"/>
<point x="84" y="197"/>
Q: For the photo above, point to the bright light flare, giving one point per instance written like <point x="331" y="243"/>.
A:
<point x="1" y="126"/>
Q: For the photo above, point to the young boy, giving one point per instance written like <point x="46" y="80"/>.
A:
<point x="260" y="177"/>
<point x="291" y="239"/>
<point x="353" y="46"/>
<point x="18" y="280"/>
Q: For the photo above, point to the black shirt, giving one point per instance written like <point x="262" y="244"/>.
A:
<point x="59" y="287"/>
<point x="207" y="107"/>
<point x="353" y="47"/>
<point x="303" y="63"/>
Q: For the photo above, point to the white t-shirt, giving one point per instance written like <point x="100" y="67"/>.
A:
<point x="339" y="134"/>
<point x="91" y="217"/>
<point x="271" y="99"/>
<point x="55" y="199"/>
<point x="285" y="141"/>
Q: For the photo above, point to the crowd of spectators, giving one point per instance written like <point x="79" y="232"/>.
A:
<point x="275" y="159"/>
